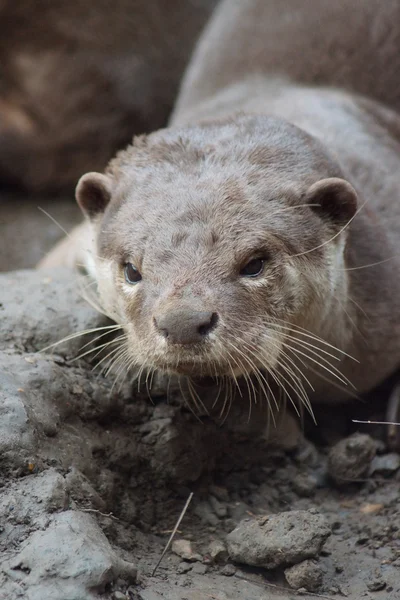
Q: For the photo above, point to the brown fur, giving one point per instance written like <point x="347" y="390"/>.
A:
<point x="257" y="165"/>
<point x="79" y="78"/>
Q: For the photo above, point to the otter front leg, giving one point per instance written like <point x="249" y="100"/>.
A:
<point x="73" y="251"/>
<point x="393" y="419"/>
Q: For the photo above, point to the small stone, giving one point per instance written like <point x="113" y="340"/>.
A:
<point x="119" y="596"/>
<point x="369" y="509"/>
<point x="307" y="575"/>
<point x="217" y="551"/>
<point x="350" y="459"/>
<point x="199" y="569"/>
<point x="204" y="511"/>
<point x="219" y="492"/>
<point x="376" y="583"/>
<point x="219" y="508"/>
<point x="305" y="485"/>
<point x="229" y="570"/>
<point x="278" y="540"/>
<point x="238" y="511"/>
<point x="183" y="548"/>
<point x="183" y="567"/>
<point x="387" y="464"/>
<point x="307" y="454"/>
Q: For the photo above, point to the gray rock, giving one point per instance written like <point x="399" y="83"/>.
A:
<point x="278" y="540"/>
<point x="183" y="548"/>
<point x="43" y="309"/>
<point x="387" y="464"/>
<point x="228" y="570"/>
<point x="217" y="551"/>
<point x="73" y="550"/>
<point x="305" y="485"/>
<point x="351" y="458"/>
<point x="307" y="575"/>
<point x="218" y="507"/>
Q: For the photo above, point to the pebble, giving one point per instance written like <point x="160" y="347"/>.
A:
<point x="376" y="583"/>
<point x="229" y="570"/>
<point x="183" y="567"/>
<point x="217" y="506"/>
<point x="277" y="540"/>
<point x="199" y="569"/>
<point x="119" y="596"/>
<point x="206" y="514"/>
<point x="217" y="551"/>
<point x="305" y="485"/>
<point x="307" y="575"/>
<point x="387" y="464"/>
<point x="350" y="459"/>
<point x="183" y="548"/>
<point x="219" y="492"/>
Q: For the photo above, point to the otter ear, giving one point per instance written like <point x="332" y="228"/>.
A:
<point x="93" y="193"/>
<point x="334" y="199"/>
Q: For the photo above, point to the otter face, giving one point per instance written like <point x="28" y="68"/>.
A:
<point x="213" y="241"/>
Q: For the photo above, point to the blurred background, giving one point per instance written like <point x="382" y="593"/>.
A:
<point x="77" y="80"/>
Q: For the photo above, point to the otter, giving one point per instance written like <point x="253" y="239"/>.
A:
<point x="258" y="235"/>
<point x="78" y="78"/>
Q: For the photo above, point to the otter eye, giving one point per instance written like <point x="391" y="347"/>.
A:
<point x="132" y="275"/>
<point x="253" y="268"/>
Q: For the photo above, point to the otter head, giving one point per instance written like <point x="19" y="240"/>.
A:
<point x="214" y="241"/>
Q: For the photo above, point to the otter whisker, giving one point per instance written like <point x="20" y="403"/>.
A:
<point x="341" y="230"/>
<point x="259" y="376"/>
<point x="247" y="379"/>
<point x="196" y="398"/>
<point x="253" y="368"/>
<point x="332" y="370"/>
<point x="97" y="338"/>
<point x="374" y="264"/>
<point x="119" y="348"/>
<point x="186" y="401"/>
<point x="73" y="336"/>
<point x="306" y="333"/>
<point x="98" y="348"/>
<point x="346" y="390"/>
<point x="126" y="365"/>
<point x="274" y="374"/>
<point x="307" y="345"/>
<point x="124" y="353"/>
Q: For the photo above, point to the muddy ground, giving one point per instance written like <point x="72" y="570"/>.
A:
<point x="93" y="476"/>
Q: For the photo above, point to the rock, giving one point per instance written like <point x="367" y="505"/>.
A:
<point x="217" y="551"/>
<point x="81" y="490"/>
<point x="219" y="509"/>
<point x="305" y="485"/>
<point x="376" y="583"/>
<point x="72" y="549"/>
<point x="278" y="540"/>
<point x="350" y="459"/>
<point x="219" y="492"/>
<point x="307" y="575"/>
<point x="32" y="496"/>
<point x="228" y="570"/>
<point x="387" y="464"/>
<point x="183" y="548"/>
<point x="204" y="511"/>
<point x="119" y="596"/>
<point x="183" y="567"/>
<point x="199" y="569"/>
<point x="44" y="308"/>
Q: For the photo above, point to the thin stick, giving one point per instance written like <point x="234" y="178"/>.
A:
<point x="376" y="422"/>
<point x="173" y="532"/>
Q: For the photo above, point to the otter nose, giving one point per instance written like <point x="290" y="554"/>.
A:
<point x="185" y="326"/>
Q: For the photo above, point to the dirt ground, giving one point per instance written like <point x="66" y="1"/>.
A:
<point x="94" y="475"/>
